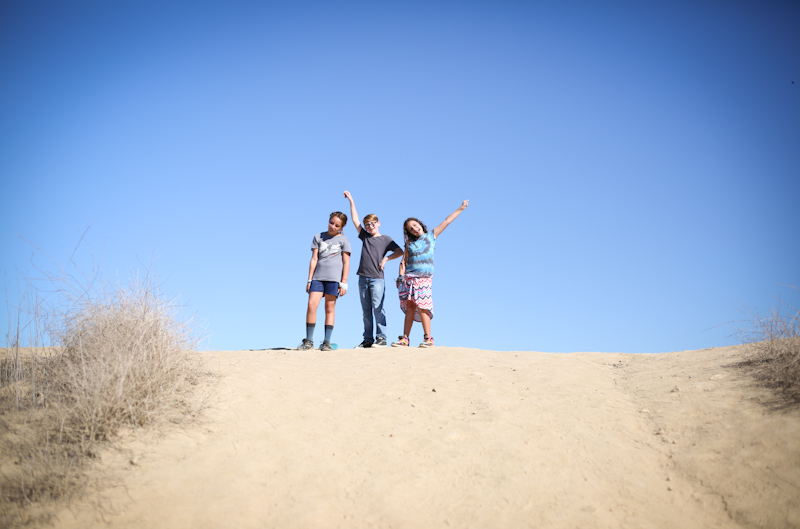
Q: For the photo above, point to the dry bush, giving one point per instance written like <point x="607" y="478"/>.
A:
<point x="96" y="363"/>
<point x="773" y="353"/>
<point x="124" y="360"/>
<point x="42" y="467"/>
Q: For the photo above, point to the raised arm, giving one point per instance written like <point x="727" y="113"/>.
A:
<point x="353" y="212"/>
<point x="450" y="218"/>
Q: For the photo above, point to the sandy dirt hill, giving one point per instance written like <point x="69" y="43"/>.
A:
<point x="455" y="437"/>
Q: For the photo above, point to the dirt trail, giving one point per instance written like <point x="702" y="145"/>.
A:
<point x="454" y="437"/>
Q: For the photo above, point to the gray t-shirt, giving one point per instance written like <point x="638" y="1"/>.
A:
<point x="372" y="252"/>
<point x="329" y="257"/>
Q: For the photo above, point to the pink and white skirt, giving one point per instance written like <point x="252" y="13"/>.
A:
<point x="419" y="291"/>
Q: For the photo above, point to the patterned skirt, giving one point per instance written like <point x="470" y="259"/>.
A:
<point x="418" y="290"/>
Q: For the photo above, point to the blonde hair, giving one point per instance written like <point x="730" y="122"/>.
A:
<point x="370" y="218"/>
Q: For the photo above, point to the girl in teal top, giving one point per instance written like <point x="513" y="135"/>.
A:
<point x="416" y="276"/>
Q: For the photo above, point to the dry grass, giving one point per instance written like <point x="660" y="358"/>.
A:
<point x="774" y="350"/>
<point x="120" y="358"/>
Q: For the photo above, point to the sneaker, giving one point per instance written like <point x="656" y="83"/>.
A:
<point x="427" y="342"/>
<point x="366" y="344"/>
<point x="326" y="346"/>
<point x="380" y="341"/>
<point x="305" y="345"/>
<point x="401" y="342"/>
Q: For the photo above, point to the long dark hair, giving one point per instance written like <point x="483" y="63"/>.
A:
<point x="405" y="228"/>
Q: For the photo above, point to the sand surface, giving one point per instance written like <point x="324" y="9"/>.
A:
<point x="455" y="437"/>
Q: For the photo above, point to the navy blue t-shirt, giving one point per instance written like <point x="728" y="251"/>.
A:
<point x="372" y="251"/>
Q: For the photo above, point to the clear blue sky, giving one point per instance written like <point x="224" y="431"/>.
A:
<point x="633" y="168"/>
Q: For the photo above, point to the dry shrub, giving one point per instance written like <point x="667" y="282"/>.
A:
<point x="120" y="358"/>
<point x="774" y="350"/>
<point x="42" y="467"/>
<point x="124" y="360"/>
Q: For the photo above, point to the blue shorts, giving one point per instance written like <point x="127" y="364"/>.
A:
<point x="330" y="288"/>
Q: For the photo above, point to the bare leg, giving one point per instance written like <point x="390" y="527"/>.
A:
<point x="425" y="316"/>
<point x="330" y="309"/>
<point x="410" y="308"/>
<point x="313" y="302"/>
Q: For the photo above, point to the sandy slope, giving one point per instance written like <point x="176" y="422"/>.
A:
<point x="454" y="437"/>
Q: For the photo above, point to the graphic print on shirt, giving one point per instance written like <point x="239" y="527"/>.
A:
<point x="327" y="249"/>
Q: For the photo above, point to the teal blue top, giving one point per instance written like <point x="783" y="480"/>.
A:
<point x="420" y="256"/>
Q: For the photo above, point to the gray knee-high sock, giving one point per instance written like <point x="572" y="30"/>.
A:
<point x="328" y="332"/>
<point x="310" y="331"/>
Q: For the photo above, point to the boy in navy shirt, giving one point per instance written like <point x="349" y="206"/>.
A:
<point x="371" y="285"/>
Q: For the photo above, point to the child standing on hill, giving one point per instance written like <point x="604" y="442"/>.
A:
<point x="327" y="276"/>
<point x="371" y="285"/>
<point x="416" y="275"/>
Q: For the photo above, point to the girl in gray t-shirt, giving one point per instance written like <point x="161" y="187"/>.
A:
<point x="327" y="276"/>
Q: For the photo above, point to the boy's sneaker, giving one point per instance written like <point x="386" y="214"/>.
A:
<point x="427" y="342"/>
<point x="326" y="346"/>
<point x="401" y="342"/>
<point x="380" y="341"/>
<point x="366" y="344"/>
<point x="305" y="345"/>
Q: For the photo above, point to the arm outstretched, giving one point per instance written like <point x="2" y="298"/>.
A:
<point x="450" y="218"/>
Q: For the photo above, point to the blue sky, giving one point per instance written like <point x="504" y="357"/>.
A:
<point x="633" y="168"/>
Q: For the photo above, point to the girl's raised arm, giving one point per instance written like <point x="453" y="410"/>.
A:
<point x="450" y="218"/>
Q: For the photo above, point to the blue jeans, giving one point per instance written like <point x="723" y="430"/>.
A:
<point x="372" y="292"/>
